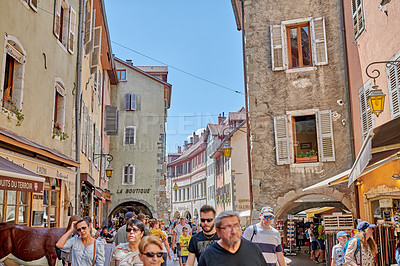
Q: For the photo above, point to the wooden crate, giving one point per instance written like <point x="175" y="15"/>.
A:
<point x="344" y="222"/>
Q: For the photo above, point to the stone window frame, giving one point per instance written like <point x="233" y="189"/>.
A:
<point x="134" y="135"/>
<point x="279" y="44"/>
<point x="59" y="89"/>
<point x="283" y="134"/>
<point x="124" y="181"/>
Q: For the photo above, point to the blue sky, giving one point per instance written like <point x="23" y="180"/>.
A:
<point x="198" y="37"/>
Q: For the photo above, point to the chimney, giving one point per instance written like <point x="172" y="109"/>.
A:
<point x="195" y="137"/>
<point x="129" y="61"/>
<point x="185" y="144"/>
<point x="191" y="140"/>
<point x="179" y="149"/>
<point x="221" y="118"/>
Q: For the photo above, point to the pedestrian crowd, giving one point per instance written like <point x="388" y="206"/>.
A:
<point x="217" y="240"/>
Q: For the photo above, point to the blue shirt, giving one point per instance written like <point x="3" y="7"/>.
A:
<point x="83" y="256"/>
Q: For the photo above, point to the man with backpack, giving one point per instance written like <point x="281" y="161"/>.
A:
<point x="267" y="238"/>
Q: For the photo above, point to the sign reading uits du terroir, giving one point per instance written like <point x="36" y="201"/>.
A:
<point x="133" y="190"/>
<point x="9" y="183"/>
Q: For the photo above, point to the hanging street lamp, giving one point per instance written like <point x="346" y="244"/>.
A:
<point x="376" y="100"/>
<point x="227" y="150"/>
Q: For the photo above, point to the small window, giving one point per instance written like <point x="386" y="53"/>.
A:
<point x="130" y="137"/>
<point x="305" y="143"/>
<point x="121" y="74"/>
<point x="393" y="73"/>
<point x="299" y="46"/>
<point x="59" y="109"/>
<point x="130" y="102"/>
<point x="357" y="8"/>
<point x="129" y="175"/>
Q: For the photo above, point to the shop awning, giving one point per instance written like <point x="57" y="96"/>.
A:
<point x="313" y="212"/>
<point x="381" y="146"/>
<point x="328" y="182"/>
<point x="15" y="177"/>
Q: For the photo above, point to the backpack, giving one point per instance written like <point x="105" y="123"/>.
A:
<point x="254" y="232"/>
<point x="307" y="235"/>
<point x="315" y="232"/>
<point x="347" y="244"/>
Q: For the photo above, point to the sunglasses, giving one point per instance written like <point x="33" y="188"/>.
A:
<point x="269" y="217"/>
<point x="82" y="228"/>
<point x="206" y="220"/>
<point x="152" y="254"/>
<point x="132" y="229"/>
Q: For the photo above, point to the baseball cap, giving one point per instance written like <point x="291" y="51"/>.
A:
<point x="267" y="210"/>
<point x="129" y="215"/>
<point x="341" y="233"/>
<point x="362" y="226"/>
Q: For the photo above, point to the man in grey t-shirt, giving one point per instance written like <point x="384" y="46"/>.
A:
<point x="177" y="233"/>
<point x="267" y="238"/>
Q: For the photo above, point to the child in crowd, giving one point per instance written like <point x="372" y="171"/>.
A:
<point x="184" y="240"/>
<point x="337" y="250"/>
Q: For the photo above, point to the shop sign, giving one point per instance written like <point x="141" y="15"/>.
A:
<point x="134" y="191"/>
<point x="10" y="183"/>
<point x="40" y="168"/>
<point x="385" y="203"/>
<point x="14" y="53"/>
<point x="106" y="195"/>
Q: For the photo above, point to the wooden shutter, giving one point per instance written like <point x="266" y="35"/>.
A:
<point x="281" y="140"/>
<point x="88" y="21"/>
<point x="100" y="86"/>
<point x="394" y="90"/>
<point x="71" y="36"/>
<point x="133" y="101"/>
<point x="127" y="101"/>
<point x="327" y="150"/>
<point x="131" y="173"/>
<point x="95" y="146"/>
<point x="318" y="41"/>
<point x="126" y="173"/>
<point x="90" y="139"/>
<point x="367" y="120"/>
<point x="34" y="4"/>
<point x="357" y="10"/>
<point x="95" y="56"/>
<point x="277" y="51"/>
<point x="57" y="18"/>
<point x="111" y="120"/>
<point x="84" y="128"/>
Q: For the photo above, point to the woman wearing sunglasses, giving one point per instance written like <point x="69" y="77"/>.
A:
<point x="126" y="254"/>
<point x="151" y="251"/>
<point x="86" y="251"/>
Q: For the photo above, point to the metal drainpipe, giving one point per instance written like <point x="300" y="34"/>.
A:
<point x="346" y="77"/>
<point x="247" y="114"/>
<point x="78" y="106"/>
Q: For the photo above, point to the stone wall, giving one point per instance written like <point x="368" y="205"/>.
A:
<point x="273" y="93"/>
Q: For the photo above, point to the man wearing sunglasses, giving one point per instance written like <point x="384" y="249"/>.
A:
<point x="267" y="237"/>
<point x="202" y="240"/>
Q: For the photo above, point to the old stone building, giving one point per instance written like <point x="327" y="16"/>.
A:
<point x="298" y="102"/>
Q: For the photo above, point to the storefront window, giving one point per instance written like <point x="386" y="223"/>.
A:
<point x="11" y="204"/>
<point x="385" y="209"/>
<point x="23" y="208"/>
<point x="1" y="204"/>
<point x="51" y="204"/>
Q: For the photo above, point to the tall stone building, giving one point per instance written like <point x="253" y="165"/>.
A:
<point x="142" y="99"/>
<point x="298" y="102"/>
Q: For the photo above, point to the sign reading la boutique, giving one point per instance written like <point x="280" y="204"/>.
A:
<point x="134" y="191"/>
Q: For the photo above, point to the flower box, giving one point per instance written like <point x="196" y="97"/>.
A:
<point x="312" y="159"/>
<point x="9" y="106"/>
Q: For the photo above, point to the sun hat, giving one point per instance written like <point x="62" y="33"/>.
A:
<point x="362" y="226"/>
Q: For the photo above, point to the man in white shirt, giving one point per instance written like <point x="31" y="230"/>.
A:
<point x="177" y="233"/>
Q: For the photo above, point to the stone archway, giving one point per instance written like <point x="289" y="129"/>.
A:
<point x="287" y="202"/>
<point x="176" y="215"/>
<point x="187" y="215"/>
<point x="196" y="214"/>
<point x="134" y="205"/>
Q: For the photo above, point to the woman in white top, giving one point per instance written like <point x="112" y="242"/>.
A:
<point x="127" y="254"/>
<point x="86" y="251"/>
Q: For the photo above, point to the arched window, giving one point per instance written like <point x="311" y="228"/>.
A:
<point x="13" y="72"/>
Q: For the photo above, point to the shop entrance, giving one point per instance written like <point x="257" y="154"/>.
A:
<point x="130" y="206"/>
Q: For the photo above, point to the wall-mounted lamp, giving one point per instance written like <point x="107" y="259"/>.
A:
<point x="359" y="183"/>
<point x="109" y="158"/>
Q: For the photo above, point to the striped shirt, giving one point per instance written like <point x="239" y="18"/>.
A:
<point x="269" y="241"/>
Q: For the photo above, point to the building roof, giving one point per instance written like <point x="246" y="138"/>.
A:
<point x="154" y="69"/>
<point x="190" y="151"/>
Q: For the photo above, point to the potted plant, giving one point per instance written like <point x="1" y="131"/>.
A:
<point x="308" y="157"/>
<point x="57" y="132"/>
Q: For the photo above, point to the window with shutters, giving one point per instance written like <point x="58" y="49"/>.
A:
<point x="88" y="21"/>
<point x="312" y="135"/>
<point x="130" y="135"/>
<point x="89" y="139"/>
<point x="367" y="119"/>
<point x="111" y="120"/>
<point x="13" y="73"/>
<point x="298" y="44"/>
<point x="393" y="73"/>
<point x="130" y="102"/>
<point x="59" y="108"/>
<point x="64" y="24"/>
<point x="357" y="10"/>
<point x="100" y="86"/>
<point x="84" y="126"/>
<point x="121" y="74"/>
<point x="128" y="176"/>
<point x="95" y="55"/>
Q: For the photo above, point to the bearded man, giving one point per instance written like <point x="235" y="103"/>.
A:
<point x="231" y="249"/>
